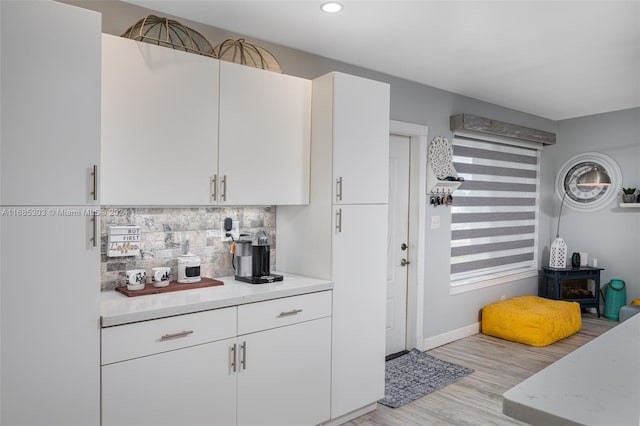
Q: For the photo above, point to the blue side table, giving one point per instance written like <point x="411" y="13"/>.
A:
<point x="552" y="279"/>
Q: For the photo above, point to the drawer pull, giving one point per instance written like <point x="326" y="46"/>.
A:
<point x="289" y="313"/>
<point x="176" y="335"/>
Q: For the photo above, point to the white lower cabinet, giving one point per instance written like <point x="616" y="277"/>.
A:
<point x="285" y="376"/>
<point x="170" y="371"/>
<point x="189" y="386"/>
<point x="195" y="369"/>
<point x="359" y="309"/>
<point x="49" y="308"/>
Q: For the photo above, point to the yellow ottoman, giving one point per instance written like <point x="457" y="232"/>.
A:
<point x="531" y="320"/>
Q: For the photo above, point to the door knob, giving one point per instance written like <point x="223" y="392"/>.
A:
<point x="404" y="262"/>
<point x="403" y="247"/>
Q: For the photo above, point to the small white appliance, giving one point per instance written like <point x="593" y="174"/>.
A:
<point x="188" y="268"/>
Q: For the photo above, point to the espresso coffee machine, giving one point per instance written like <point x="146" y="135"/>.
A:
<point x="252" y="260"/>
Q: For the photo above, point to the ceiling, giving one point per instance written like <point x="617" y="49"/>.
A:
<point x="555" y="59"/>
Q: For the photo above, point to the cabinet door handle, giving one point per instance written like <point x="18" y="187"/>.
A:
<point x="94" y="174"/>
<point x="339" y="220"/>
<point x="232" y="355"/>
<point x="289" y="313"/>
<point x="214" y="188"/>
<point x="176" y="335"/>
<point x="243" y="355"/>
<point x="94" y="226"/>
<point x="339" y="189"/>
<point x="223" y="181"/>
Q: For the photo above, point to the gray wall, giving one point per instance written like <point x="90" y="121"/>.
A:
<point x="611" y="234"/>
<point x="420" y="104"/>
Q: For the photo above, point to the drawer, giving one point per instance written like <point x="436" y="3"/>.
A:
<point x="285" y="311"/>
<point x="128" y="341"/>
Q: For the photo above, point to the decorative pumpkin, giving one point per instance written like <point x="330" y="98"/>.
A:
<point x="241" y="52"/>
<point x="169" y="33"/>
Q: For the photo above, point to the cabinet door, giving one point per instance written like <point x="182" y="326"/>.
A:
<point x="359" y="298"/>
<point x="360" y="140"/>
<point x="264" y="136"/>
<point x="159" y="125"/>
<point x="190" y="386"/>
<point x="50" y="289"/>
<point x="284" y="375"/>
<point x="50" y="103"/>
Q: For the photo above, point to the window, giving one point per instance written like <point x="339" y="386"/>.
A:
<point x="494" y="217"/>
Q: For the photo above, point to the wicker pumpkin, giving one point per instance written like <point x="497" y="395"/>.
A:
<point x="169" y="33"/>
<point x="241" y="52"/>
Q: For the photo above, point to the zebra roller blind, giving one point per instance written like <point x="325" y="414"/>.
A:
<point x="494" y="217"/>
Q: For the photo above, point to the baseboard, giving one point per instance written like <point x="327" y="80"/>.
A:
<point x="352" y="415"/>
<point x="451" y="336"/>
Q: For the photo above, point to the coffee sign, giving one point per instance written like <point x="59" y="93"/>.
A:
<point x="123" y="241"/>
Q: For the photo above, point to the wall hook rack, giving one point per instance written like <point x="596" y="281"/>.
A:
<point x="441" y="197"/>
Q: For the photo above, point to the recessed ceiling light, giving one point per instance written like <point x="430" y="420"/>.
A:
<point x="331" y="7"/>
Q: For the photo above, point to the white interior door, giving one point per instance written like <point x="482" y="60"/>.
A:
<point x="398" y="244"/>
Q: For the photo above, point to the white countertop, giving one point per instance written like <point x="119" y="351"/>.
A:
<point x="117" y="309"/>
<point x="597" y="384"/>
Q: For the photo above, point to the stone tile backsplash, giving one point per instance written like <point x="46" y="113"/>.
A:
<point x="167" y="233"/>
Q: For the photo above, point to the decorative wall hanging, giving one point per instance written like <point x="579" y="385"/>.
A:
<point x="241" y="52"/>
<point x="440" y="158"/>
<point x="169" y="33"/>
<point x="442" y="178"/>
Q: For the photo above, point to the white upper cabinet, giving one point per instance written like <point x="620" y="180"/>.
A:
<point x="185" y="129"/>
<point x="265" y="133"/>
<point x="356" y="110"/>
<point x="50" y="104"/>
<point x="159" y="124"/>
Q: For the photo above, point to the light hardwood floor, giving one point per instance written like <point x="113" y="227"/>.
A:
<point x="477" y="399"/>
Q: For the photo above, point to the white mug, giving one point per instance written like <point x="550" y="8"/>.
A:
<point x="161" y="276"/>
<point x="136" y="279"/>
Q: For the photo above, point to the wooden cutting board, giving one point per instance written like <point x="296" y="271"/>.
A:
<point x="173" y="286"/>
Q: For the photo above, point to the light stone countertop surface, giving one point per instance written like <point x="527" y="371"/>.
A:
<point x="117" y="309"/>
<point x="597" y="384"/>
